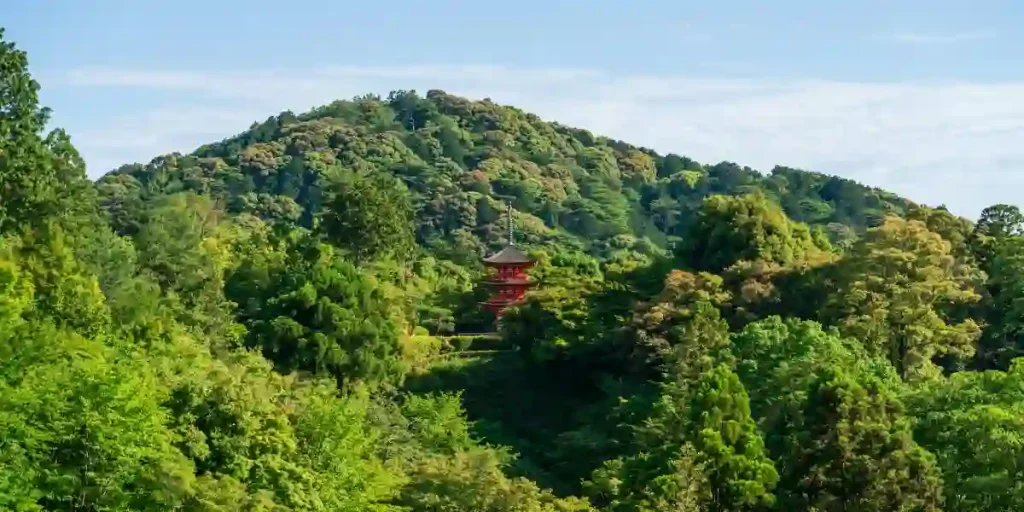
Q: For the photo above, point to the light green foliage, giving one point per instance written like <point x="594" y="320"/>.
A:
<point x="974" y="423"/>
<point x="41" y="176"/>
<point x="82" y="427"/>
<point x="91" y="422"/>
<point x="65" y="294"/>
<point x="181" y="242"/>
<point x="636" y="484"/>
<point x="728" y="443"/>
<point x="473" y="480"/>
<point x="731" y="229"/>
<point x="894" y="292"/>
<point x="337" y="443"/>
<point x="430" y="295"/>
<point x="438" y="423"/>
<point x="955" y="230"/>
<point x="446" y="469"/>
<point x="266" y="324"/>
<point x="15" y="290"/>
<point x="565" y="268"/>
<point x="551" y="321"/>
<point x="832" y="420"/>
<point x="111" y="258"/>
<point x="296" y="444"/>
<point x="776" y="357"/>
<point x="369" y="216"/>
<point x="308" y="309"/>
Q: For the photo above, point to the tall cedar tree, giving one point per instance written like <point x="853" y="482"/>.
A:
<point x="729" y="445"/>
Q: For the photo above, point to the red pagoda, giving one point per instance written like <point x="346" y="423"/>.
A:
<point x="509" y="278"/>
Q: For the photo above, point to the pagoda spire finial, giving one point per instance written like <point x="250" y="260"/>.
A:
<point x="511" y="228"/>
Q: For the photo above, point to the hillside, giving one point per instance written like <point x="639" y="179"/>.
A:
<point x="266" y="325"/>
<point x="463" y="159"/>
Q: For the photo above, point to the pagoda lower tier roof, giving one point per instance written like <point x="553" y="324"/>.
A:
<point x="510" y="282"/>
<point x="502" y="300"/>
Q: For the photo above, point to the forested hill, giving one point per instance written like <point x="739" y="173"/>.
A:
<point x="267" y="325"/>
<point x="463" y="159"/>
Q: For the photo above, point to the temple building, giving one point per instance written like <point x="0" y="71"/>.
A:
<point x="508" y="277"/>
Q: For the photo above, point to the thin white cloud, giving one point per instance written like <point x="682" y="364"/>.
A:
<point x="947" y="38"/>
<point x="940" y="143"/>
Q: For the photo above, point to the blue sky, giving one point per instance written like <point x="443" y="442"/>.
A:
<point x="922" y="97"/>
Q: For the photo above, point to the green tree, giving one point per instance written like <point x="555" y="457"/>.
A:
<point x="266" y="440"/>
<point x="955" y="230"/>
<point x="82" y="427"/>
<point x="730" y="229"/>
<point x="636" y="484"/>
<point x="850" y="448"/>
<point x="776" y="359"/>
<point x="1002" y="339"/>
<point x="369" y="216"/>
<point x="832" y="421"/>
<point x="729" y="445"/>
<point x="181" y="244"/>
<point x="1000" y="221"/>
<point x="681" y="329"/>
<point x="895" y="292"/>
<point x="973" y="423"/>
<point x="308" y="309"/>
<point x="65" y="293"/>
<point x="550" y="322"/>
<point x="41" y="176"/>
<point x="473" y="480"/>
<point x="998" y="244"/>
<point x="699" y="450"/>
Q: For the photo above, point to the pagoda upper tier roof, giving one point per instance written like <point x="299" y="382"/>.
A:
<point x="510" y="255"/>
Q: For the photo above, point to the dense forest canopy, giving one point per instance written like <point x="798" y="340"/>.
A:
<point x="273" y="321"/>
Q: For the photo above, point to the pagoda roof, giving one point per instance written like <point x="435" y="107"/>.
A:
<point x="511" y="282"/>
<point x="509" y="255"/>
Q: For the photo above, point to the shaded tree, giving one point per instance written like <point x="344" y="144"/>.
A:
<point x="369" y="216"/>
<point x="308" y="309"/>
<point x="850" y="448"/>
